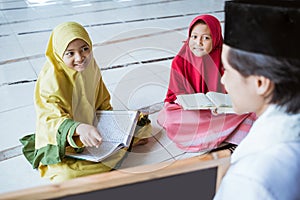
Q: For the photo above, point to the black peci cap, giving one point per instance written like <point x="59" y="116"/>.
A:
<point x="264" y="26"/>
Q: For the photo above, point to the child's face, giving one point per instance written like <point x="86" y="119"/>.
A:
<point x="77" y="55"/>
<point x="200" y="41"/>
<point x="242" y="90"/>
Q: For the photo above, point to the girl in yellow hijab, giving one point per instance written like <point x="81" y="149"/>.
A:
<point x="68" y="92"/>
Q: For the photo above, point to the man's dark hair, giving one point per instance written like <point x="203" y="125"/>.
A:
<point x="284" y="73"/>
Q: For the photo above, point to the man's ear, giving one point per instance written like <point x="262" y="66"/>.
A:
<point x="264" y="86"/>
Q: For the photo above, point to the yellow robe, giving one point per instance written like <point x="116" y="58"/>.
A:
<point x="63" y="99"/>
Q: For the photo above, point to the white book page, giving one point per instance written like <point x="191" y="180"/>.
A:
<point x="116" y="129"/>
<point x="219" y="99"/>
<point x="194" y="101"/>
<point x="97" y="154"/>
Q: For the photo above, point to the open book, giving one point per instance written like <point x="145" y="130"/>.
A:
<point x="116" y="129"/>
<point x="215" y="101"/>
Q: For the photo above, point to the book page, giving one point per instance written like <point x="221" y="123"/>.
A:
<point x="95" y="154"/>
<point x="116" y="129"/>
<point x="219" y="99"/>
<point x="194" y="101"/>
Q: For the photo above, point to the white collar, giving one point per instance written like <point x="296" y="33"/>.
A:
<point x="272" y="127"/>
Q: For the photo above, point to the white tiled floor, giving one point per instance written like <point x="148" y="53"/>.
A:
<point x="134" y="42"/>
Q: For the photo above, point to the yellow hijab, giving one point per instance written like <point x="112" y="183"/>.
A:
<point x="62" y="93"/>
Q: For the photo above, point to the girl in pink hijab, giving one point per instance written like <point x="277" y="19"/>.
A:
<point x="197" y="68"/>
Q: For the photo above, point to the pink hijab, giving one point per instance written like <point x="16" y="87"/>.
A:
<point x="192" y="74"/>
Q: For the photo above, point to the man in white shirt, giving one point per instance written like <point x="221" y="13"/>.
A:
<point x="262" y="75"/>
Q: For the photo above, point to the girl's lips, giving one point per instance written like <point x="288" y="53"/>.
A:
<point x="199" y="49"/>
<point x="79" y="64"/>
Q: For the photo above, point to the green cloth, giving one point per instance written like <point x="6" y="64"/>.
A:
<point x="50" y="154"/>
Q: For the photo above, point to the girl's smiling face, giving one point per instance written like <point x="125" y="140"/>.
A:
<point x="78" y="55"/>
<point x="200" y="41"/>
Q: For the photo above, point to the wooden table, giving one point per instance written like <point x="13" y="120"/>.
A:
<point x="111" y="181"/>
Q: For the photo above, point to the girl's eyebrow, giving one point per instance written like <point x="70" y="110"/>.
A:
<point x="85" y="45"/>
<point x="208" y="34"/>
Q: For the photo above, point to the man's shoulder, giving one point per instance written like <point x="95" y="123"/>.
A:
<point x="278" y="163"/>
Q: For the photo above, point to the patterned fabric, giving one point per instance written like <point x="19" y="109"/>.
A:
<point x="197" y="130"/>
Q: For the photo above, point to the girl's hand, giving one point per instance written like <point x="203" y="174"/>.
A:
<point x="88" y="135"/>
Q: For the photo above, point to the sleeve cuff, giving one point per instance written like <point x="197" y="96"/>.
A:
<point x="74" y="141"/>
